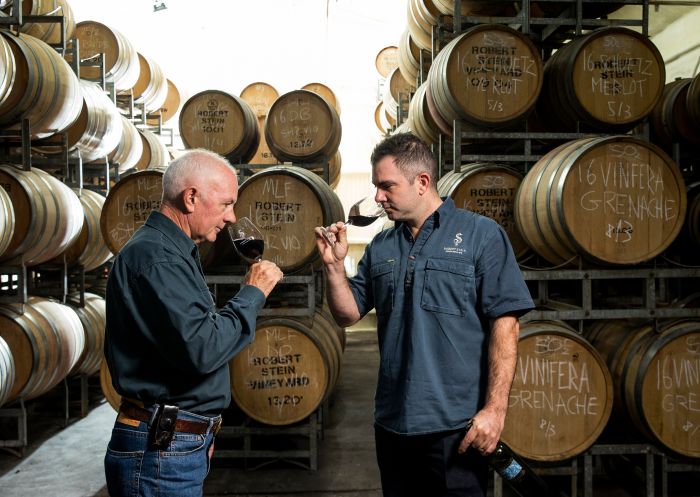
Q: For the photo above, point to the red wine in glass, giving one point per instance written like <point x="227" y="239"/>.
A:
<point x="249" y="248"/>
<point x="362" y="213"/>
<point x="247" y="240"/>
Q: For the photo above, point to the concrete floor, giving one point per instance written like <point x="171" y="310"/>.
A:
<point x="67" y="461"/>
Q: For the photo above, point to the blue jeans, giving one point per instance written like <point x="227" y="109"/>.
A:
<point x="133" y="468"/>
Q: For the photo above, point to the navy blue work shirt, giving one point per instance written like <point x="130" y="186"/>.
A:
<point x="434" y="297"/>
<point x="165" y="341"/>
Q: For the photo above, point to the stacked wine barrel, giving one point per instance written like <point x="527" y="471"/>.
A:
<point x="595" y="181"/>
<point x="48" y="226"/>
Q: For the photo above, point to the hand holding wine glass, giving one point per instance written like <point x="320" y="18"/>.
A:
<point x="362" y="213"/>
<point x="250" y="244"/>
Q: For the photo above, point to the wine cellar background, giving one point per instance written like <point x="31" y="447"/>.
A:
<point x="648" y="299"/>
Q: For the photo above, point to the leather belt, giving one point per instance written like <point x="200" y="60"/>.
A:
<point x="181" y="425"/>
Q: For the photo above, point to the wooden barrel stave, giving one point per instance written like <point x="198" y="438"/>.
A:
<point x="45" y="91"/>
<point x="88" y="249"/>
<point x="121" y="59"/>
<point x="48" y="215"/>
<point x="151" y="88"/>
<point x="7" y="221"/>
<point x="7" y="371"/>
<point x="93" y="317"/>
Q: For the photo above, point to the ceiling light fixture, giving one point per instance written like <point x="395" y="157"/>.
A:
<point x="161" y="6"/>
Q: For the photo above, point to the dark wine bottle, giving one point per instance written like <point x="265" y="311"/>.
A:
<point x="250" y="248"/>
<point x="518" y="475"/>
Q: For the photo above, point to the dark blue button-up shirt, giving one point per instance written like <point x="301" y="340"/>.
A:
<point x="434" y="297"/>
<point x="165" y="340"/>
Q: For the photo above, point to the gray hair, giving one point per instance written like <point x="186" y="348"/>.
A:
<point x="193" y="163"/>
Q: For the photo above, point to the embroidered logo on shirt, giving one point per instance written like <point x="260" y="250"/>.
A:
<point x="455" y="250"/>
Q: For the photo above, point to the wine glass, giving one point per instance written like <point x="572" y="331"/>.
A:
<point x="362" y="213"/>
<point x="247" y="239"/>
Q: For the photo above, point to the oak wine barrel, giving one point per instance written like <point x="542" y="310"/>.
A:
<point x="93" y="317"/>
<point x="562" y="394"/>
<point x="669" y="119"/>
<point x="387" y="60"/>
<point x="170" y="107"/>
<point x="693" y="100"/>
<point x="129" y="152"/>
<point x="89" y="249"/>
<point x="7" y="221"/>
<point x="121" y="60"/>
<point x="260" y="96"/>
<point x="409" y="58"/>
<point x="290" y="368"/>
<point x="489" y="76"/>
<point x="98" y="129"/>
<point x="222" y="123"/>
<point x="489" y="190"/>
<point x="421" y="16"/>
<point x="46" y="339"/>
<point x="610" y="199"/>
<point x="48" y="215"/>
<point x="396" y="90"/>
<point x="608" y="80"/>
<point x="151" y="88"/>
<point x="50" y="32"/>
<point x="656" y="376"/>
<point x="45" y="90"/>
<point x="7" y="371"/>
<point x="419" y="115"/>
<point x="286" y="203"/>
<point x="154" y="153"/>
<point x="325" y="92"/>
<point x="302" y="126"/>
<point x="128" y="205"/>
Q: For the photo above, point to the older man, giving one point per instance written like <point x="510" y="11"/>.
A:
<point x="166" y="344"/>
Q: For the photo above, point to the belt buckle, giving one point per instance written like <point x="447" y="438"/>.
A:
<point x="216" y="427"/>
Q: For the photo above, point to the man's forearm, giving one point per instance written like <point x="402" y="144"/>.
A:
<point x="339" y="296"/>
<point x="503" y="355"/>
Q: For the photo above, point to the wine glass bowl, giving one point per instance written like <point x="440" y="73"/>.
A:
<point x="362" y="213"/>
<point x="247" y="239"/>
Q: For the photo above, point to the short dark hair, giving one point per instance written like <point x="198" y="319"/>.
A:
<point x="411" y="154"/>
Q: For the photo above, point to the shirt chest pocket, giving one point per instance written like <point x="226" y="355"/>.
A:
<point x="448" y="286"/>
<point x="383" y="286"/>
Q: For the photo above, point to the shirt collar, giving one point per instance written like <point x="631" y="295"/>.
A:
<point x="446" y="209"/>
<point x="167" y="226"/>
